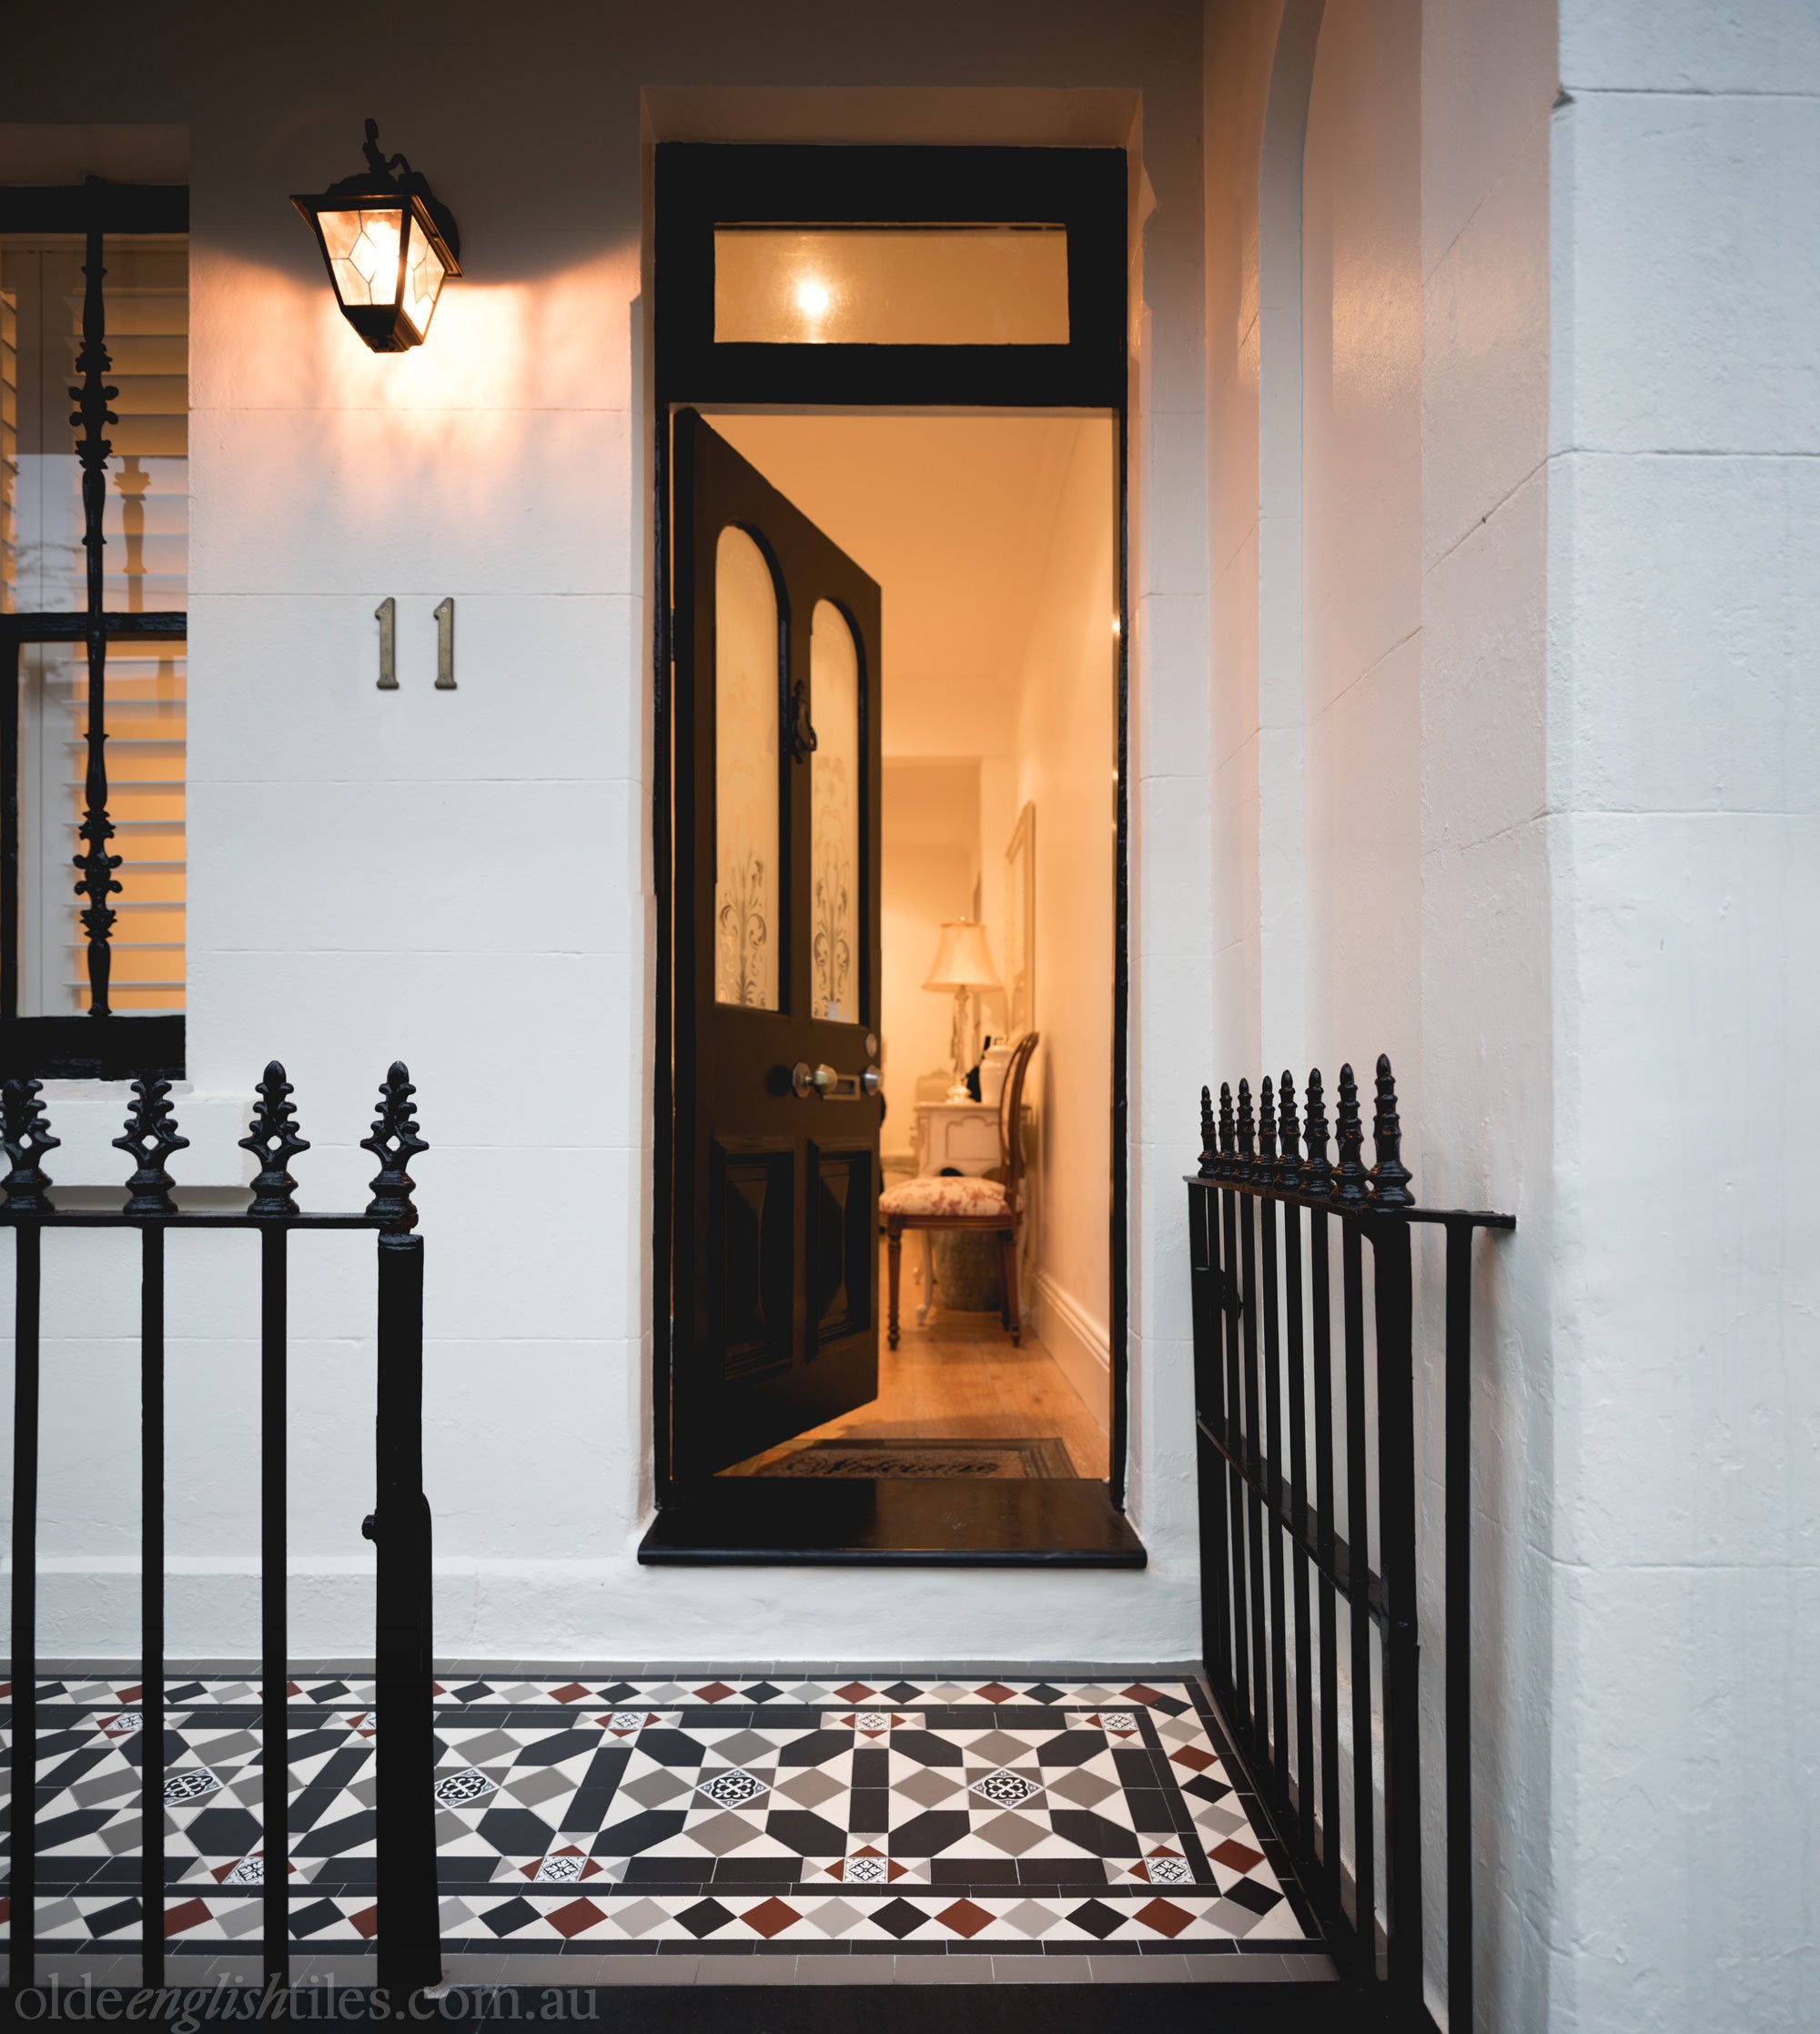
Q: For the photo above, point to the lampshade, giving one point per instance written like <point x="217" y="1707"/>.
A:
<point x="963" y="960"/>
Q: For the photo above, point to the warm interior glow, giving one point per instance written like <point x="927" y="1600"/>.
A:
<point x="1004" y="285"/>
<point x="363" y="254"/>
<point x="422" y="280"/>
<point x="963" y="959"/>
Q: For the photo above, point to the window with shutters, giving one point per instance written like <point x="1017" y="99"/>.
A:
<point x="94" y="511"/>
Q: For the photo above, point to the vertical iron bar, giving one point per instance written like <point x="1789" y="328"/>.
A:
<point x="274" y="1635"/>
<point x="1320" y="1304"/>
<point x="1296" y="1492"/>
<point x="1392" y="1308"/>
<point x="1273" y="1403"/>
<point x="1357" y="1595"/>
<point x="152" y="1598"/>
<point x="92" y="449"/>
<point x="22" y="1937"/>
<point x="9" y="826"/>
<point x="1260" y="1692"/>
<point x="1209" y="1470"/>
<point x="410" y="1953"/>
<point x="1231" y="1300"/>
<point x="1459" y="1677"/>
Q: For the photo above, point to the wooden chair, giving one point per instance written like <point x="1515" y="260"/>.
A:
<point x="953" y="1201"/>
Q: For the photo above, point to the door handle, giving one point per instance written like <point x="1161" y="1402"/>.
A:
<point x="826" y="1083"/>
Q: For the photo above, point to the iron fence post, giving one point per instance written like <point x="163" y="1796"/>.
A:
<point x="410" y="1952"/>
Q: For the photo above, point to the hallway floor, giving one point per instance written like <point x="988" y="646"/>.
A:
<point x="960" y="1378"/>
<point x="830" y="1827"/>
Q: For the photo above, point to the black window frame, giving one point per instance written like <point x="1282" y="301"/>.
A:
<point x="701" y="185"/>
<point x="89" y="1045"/>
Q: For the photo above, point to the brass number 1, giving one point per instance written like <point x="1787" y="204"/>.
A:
<point x="386" y="615"/>
<point x="445" y="646"/>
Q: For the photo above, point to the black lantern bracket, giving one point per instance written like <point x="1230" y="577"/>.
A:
<point x="386" y="317"/>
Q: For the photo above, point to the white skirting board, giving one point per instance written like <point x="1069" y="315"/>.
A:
<point x="1078" y="1343"/>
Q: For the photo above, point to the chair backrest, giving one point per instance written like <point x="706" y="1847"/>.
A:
<point x="1011" y="1115"/>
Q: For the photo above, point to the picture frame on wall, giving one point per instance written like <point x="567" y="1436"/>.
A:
<point x="1020" y="923"/>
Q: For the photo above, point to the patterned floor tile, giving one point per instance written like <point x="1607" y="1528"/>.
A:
<point x="607" y="1813"/>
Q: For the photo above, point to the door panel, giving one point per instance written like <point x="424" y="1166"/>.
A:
<point x="777" y="945"/>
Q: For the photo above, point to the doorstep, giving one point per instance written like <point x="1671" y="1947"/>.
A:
<point x="902" y="1522"/>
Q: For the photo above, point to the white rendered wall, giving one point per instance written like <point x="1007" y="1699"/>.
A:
<point x="1684" y="781"/>
<point x="464" y="878"/>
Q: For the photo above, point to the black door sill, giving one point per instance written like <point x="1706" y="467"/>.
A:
<point x="895" y="1521"/>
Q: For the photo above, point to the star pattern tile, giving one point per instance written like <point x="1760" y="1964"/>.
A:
<point x="770" y="1813"/>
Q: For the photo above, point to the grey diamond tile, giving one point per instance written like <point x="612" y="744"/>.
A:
<point x="725" y="1833"/>
<point x="639" y="1918"/>
<point x="1012" y="1834"/>
<point x="1030" y="1917"/>
<point x="834" y="1917"/>
<point x="744" y="1747"/>
<point x="650" y="1790"/>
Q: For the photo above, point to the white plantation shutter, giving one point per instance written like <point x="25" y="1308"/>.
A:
<point x="145" y="566"/>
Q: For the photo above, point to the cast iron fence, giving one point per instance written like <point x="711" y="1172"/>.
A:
<point x="410" y="1953"/>
<point x="1278" y="1562"/>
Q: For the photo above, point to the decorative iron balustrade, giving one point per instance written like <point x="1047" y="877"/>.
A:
<point x="409" y="1954"/>
<point x="97" y="1043"/>
<point x="1295" y="1423"/>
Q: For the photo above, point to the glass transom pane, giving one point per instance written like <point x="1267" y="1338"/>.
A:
<point x="891" y="285"/>
<point x="746" y="805"/>
<point x="833" y="804"/>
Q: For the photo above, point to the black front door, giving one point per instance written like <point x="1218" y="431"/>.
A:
<point x="777" y="945"/>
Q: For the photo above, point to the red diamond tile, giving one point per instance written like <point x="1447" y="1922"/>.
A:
<point x="965" y="1918"/>
<point x="1236" y="1856"/>
<point x="855" y="1691"/>
<point x="996" y="1691"/>
<point x="1195" y="1759"/>
<point x="1137" y="1692"/>
<point x="771" y="1918"/>
<point x="573" y="1693"/>
<point x="6" y="1910"/>
<point x="366" y="1922"/>
<point x="188" y="1916"/>
<point x="570" y="1921"/>
<point x="715" y="1691"/>
<point x="129" y="1694"/>
<point x="1165" y="1917"/>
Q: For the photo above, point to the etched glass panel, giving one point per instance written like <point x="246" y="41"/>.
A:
<point x="745" y="774"/>
<point x="993" y="285"/>
<point x="833" y="804"/>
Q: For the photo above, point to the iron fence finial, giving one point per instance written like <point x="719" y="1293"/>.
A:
<point x="1351" y="1182"/>
<point x="1224" y="1169"/>
<point x="1289" y="1135"/>
<point x="1317" y="1172"/>
<point x="151" y="1136"/>
<point x="1266" y="1174"/>
<point x="1390" y="1175"/>
<point x="274" y="1140"/>
<point x="27" y="1136"/>
<point x="394" y="1143"/>
<point x="1209" y="1149"/>
<point x="1245" y="1167"/>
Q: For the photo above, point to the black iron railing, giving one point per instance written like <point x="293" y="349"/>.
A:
<point x="1307" y="1437"/>
<point x="409" y="1950"/>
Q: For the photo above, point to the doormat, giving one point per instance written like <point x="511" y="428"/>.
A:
<point x="1040" y="1458"/>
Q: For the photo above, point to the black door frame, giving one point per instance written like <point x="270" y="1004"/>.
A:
<point x="698" y="185"/>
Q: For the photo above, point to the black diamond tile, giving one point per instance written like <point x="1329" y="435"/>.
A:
<point x="931" y="1833"/>
<point x="508" y="1918"/>
<point x="927" y="1748"/>
<point x="1094" y="1833"/>
<point x="110" y="1920"/>
<point x="809" y="1836"/>
<point x="331" y="1691"/>
<point x="334" y="1837"/>
<point x="312" y="1919"/>
<point x="818" y="1748"/>
<point x="1072" y="1747"/>
<point x="185" y="1691"/>
<point x="225" y="1832"/>
<point x="474" y="1691"/>
<point x="704" y="1918"/>
<point x="899" y="1918"/>
<point x="639" y="1832"/>
<point x="515" y="1832"/>
<point x="1207" y="1789"/>
<point x="1247" y="1892"/>
<point x="1097" y="1918"/>
<point x="1167" y="1706"/>
<point x="763" y="1691"/>
<point x="559" y="1745"/>
<point x="617" y="1693"/>
<point x="902" y="1691"/>
<point x="672" y="1748"/>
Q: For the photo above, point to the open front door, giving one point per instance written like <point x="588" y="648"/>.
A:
<point x="777" y="945"/>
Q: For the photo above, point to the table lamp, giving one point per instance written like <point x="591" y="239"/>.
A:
<point x="963" y="963"/>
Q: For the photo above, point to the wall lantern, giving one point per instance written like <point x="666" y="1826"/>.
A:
<point x="389" y="245"/>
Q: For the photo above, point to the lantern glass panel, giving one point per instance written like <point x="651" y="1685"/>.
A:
<point x="423" y="276"/>
<point x="363" y="253"/>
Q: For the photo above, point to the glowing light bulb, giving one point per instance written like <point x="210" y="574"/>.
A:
<point x="812" y="298"/>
